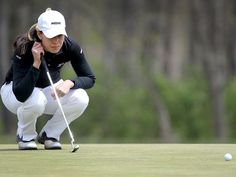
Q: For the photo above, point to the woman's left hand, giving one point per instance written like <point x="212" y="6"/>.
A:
<point x="63" y="88"/>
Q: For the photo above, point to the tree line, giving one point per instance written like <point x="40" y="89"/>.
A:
<point x="165" y="69"/>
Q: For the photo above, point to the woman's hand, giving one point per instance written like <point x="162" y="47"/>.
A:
<point x="63" y="88"/>
<point x="37" y="51"/>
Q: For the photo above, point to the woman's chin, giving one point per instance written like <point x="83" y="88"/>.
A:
<point x="54" y="50"/>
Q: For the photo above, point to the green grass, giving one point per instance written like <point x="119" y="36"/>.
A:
<point x="120" y="160"/>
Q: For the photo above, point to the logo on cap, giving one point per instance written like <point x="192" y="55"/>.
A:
<point x="55" y="23"/>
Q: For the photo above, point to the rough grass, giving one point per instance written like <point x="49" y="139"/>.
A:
<point x="120" y="160"/>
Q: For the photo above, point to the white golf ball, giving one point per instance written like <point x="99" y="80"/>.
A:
<point x="228" y="157"/>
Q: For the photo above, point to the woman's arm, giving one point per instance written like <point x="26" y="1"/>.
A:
<point x="26" y="71"/>
<point x="25" y="76"/>
<point x="85" y="78"/>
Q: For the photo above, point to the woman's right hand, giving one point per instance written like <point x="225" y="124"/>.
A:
<point x="37" y="51"/>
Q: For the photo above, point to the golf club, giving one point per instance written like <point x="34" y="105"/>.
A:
<point x="74" y="147"/>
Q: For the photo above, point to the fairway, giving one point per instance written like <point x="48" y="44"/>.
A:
<point x="120" y="160"/>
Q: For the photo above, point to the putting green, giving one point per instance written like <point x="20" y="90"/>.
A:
<point x="120" y="160"/>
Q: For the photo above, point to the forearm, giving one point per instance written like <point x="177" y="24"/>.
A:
<point x="83" y="82"/>
<point x="23" y="85"/>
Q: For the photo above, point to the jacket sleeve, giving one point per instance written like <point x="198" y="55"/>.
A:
<point x="24" y="77"/>
<point x="85" y="78"/>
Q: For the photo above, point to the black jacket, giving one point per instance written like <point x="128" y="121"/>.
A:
<point x="25" y="77"/>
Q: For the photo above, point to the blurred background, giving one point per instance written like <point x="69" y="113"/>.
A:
<point x="165" y="69"/>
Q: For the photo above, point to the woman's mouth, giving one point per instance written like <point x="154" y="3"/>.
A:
<point x="55" y="49"/>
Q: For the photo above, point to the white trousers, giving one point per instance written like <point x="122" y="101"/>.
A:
<point x="41" y="102"/>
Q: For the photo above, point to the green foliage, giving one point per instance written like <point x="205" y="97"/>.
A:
<point x="119" y="112"/>
<point x="189" y="108"/>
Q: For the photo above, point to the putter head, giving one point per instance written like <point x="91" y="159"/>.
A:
<point x="75" y="147"/>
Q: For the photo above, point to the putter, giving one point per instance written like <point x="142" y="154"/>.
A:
<point x="74" y="147"/>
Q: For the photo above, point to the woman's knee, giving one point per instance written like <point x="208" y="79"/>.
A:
<point x="80" y="98"/>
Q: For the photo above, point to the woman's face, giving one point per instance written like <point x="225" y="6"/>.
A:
<point x="52" y="45"/>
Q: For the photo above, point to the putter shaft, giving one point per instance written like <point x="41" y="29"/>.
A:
<point x="59" y="104"/>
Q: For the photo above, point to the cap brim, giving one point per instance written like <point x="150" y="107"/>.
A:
<point x="54" y="32"/>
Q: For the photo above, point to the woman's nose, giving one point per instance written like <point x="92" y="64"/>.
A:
<point x="55" y="39"/>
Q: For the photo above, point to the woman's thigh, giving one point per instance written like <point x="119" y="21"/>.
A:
<point x="12" y="104"/>
<point x="9" y="99"/>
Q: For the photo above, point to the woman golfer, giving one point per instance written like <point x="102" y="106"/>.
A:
<point x="27" y="92"/>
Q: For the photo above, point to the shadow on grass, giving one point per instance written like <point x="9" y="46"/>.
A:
<point x="16" y="149"/>
<point x="9" y="149"/>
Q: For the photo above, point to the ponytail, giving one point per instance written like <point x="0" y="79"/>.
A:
<point x="22" y="42"/>
<point x="32" y="33"/>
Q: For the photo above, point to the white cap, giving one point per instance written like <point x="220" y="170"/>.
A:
<point x="51" y="23"/>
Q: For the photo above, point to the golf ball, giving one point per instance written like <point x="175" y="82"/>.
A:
<point x="228" y="157"/>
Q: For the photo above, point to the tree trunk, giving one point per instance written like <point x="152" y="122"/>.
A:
<point x="211" y="34"/>
<point x="5" y="115"/>
<point x="146" y="47"/>
<point x="179" y="46"/>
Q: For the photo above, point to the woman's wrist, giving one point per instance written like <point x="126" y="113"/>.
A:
<point x="36" y="64"/>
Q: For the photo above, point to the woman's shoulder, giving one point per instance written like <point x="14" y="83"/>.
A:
<point x="70" y="43"/>
<point x="23" y="53"/>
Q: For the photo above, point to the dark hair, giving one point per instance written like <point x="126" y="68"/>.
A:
<point x="22" y="41"/>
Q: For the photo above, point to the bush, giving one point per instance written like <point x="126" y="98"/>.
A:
<point x="189" y="108"/>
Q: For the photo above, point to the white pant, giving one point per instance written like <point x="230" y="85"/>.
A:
<point x="41" y="102"/>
